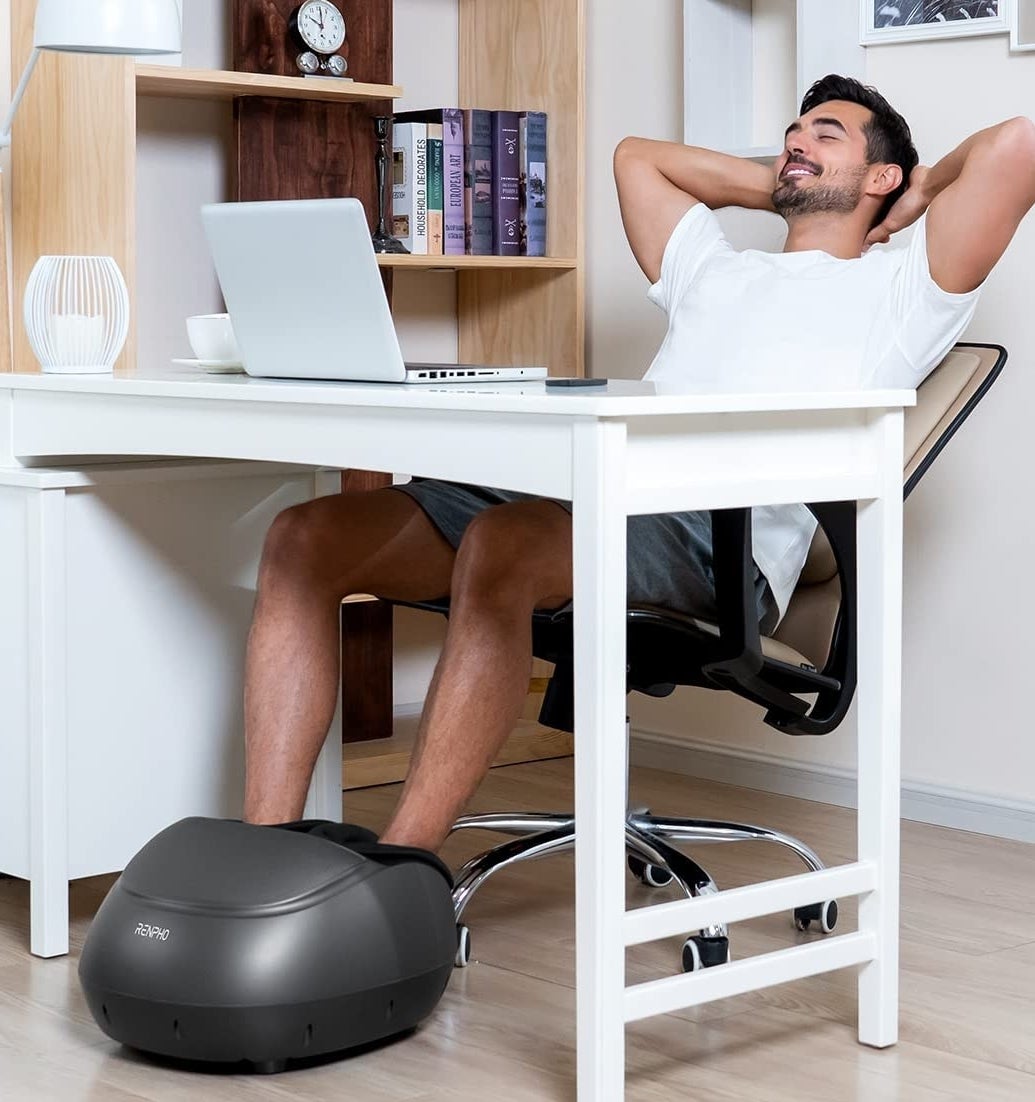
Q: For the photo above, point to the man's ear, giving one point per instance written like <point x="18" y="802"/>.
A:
<point x="886" y="179"/>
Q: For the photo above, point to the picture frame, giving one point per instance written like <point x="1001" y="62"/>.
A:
<point x="1022" y="25"/>
<point x="887" y="21"/>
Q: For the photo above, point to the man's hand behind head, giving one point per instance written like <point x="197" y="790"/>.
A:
<point x="909" y="206"/>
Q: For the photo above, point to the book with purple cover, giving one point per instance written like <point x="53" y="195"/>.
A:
<point x="453" y="173"/>
<point x="506" y="195"/>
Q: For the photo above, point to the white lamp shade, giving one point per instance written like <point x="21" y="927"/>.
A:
<point x="109" y="26"/>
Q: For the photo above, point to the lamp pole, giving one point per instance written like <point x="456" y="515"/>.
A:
<point x="5" y="133"/>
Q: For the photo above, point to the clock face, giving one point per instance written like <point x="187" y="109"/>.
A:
<point x="321" y="26"/>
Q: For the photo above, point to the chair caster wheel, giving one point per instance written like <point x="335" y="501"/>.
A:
<point x="823" y="913"/>
<point x="463" y="947"/>
<point x="654" y="876"/>
<point x="705" y="952"/>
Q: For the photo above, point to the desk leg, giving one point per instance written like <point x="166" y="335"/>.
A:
<point x="48" y="735"/>
<point x="324" y="800"/>
<point x="600" y="758"/>
<point x="880" y="691"/>
<point x="6" y="413"/>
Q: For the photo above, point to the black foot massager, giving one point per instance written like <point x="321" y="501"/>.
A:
<point x="227" y="942"/>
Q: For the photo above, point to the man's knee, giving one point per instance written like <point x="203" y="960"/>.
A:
<point x="299" y="540"/>
<point x="289" y="536"/>
<point x="518" y="552"/>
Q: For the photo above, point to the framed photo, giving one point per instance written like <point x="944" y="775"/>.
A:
<point x="917" y="20"/>
<point x="1022" y="25"/>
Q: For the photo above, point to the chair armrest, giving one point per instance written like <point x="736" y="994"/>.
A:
<point x="740" y="666"/>
<point x="838" y="521"/>
<point x="740" y="662"/>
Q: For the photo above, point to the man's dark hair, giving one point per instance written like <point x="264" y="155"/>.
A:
<point x="888" y="140"/>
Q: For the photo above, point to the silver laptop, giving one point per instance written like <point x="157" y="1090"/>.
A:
<point x="305" y="296"/>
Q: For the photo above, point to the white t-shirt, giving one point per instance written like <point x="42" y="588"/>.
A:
<point x="800" y="321"/>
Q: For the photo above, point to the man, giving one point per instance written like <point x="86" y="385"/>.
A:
<point x="826" y="312"/>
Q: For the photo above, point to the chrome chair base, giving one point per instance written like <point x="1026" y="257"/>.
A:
<point x="651" y="857"/>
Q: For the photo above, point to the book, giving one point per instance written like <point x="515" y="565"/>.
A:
<point x="453" y="180"/>
<point x="452" y="121"/>
<point x="410" y="185"/>
<point x="435" y="231"/>
<point x="477" y="182"/>
<point x="506" y="195"/>
<point x="532" y="158"/>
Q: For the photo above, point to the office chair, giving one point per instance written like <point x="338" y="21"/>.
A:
<point x="812" y="652"/>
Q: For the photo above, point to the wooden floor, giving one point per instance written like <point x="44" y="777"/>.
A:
<point x="504" y="1029"/>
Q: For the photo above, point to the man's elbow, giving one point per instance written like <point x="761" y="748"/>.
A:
<point x="1014" y="155"/>
<point x="629" y="150"/>
<point x="1017" y="139"/>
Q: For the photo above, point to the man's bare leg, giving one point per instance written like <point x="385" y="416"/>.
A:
<point x="315" y="554"/>
<point x="513" y="559"/>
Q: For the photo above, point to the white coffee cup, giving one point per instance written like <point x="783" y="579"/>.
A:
<point x="212" y="339"/>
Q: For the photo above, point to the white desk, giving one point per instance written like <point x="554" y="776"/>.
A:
<point x="626" y="450"/>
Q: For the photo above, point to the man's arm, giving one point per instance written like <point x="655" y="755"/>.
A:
<point x="975" y="198"/>
<point x="658" y="182"/>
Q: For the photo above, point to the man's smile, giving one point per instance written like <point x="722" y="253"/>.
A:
<point x="798" y="168"/>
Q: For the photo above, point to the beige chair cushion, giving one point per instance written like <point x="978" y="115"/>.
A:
<point x="771" y="648"/>
<point x="808" y="627"/>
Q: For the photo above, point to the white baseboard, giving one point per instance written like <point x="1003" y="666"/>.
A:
<point x="923" y="803"/>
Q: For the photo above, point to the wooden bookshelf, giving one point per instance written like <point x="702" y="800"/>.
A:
<point x="75" y="189"/>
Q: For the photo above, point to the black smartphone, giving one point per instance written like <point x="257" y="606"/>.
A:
<point x="563" y="381"/>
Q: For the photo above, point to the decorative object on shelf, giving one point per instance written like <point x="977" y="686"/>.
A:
<point x="384" y="242"/>
<point x="914" y="20"/>
<point x="1022" y="25"/>
<point x="319" y="29"/>
<point x="77" y="314"/>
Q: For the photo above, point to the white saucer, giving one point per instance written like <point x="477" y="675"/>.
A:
<point x="214" y="367"/>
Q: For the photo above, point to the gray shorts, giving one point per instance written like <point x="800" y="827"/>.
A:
<point x="669" y="555"/>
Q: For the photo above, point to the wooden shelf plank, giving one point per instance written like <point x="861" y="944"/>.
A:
<point x="164" y="80"/>
<point x="468" y="263"/>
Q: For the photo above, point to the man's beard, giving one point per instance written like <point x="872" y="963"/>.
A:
<point x="790" y="199"/>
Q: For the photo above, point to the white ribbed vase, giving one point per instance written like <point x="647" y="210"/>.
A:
<point x="77" y="314"/>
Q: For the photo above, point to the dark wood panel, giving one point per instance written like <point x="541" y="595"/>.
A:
<point x="366" y="671"/>
<point x="353" y="482"/>
<point x="262" y="44"/>
<point x="291" y="149"/>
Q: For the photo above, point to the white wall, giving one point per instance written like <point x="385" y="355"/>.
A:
<point x="969" y="531"/>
